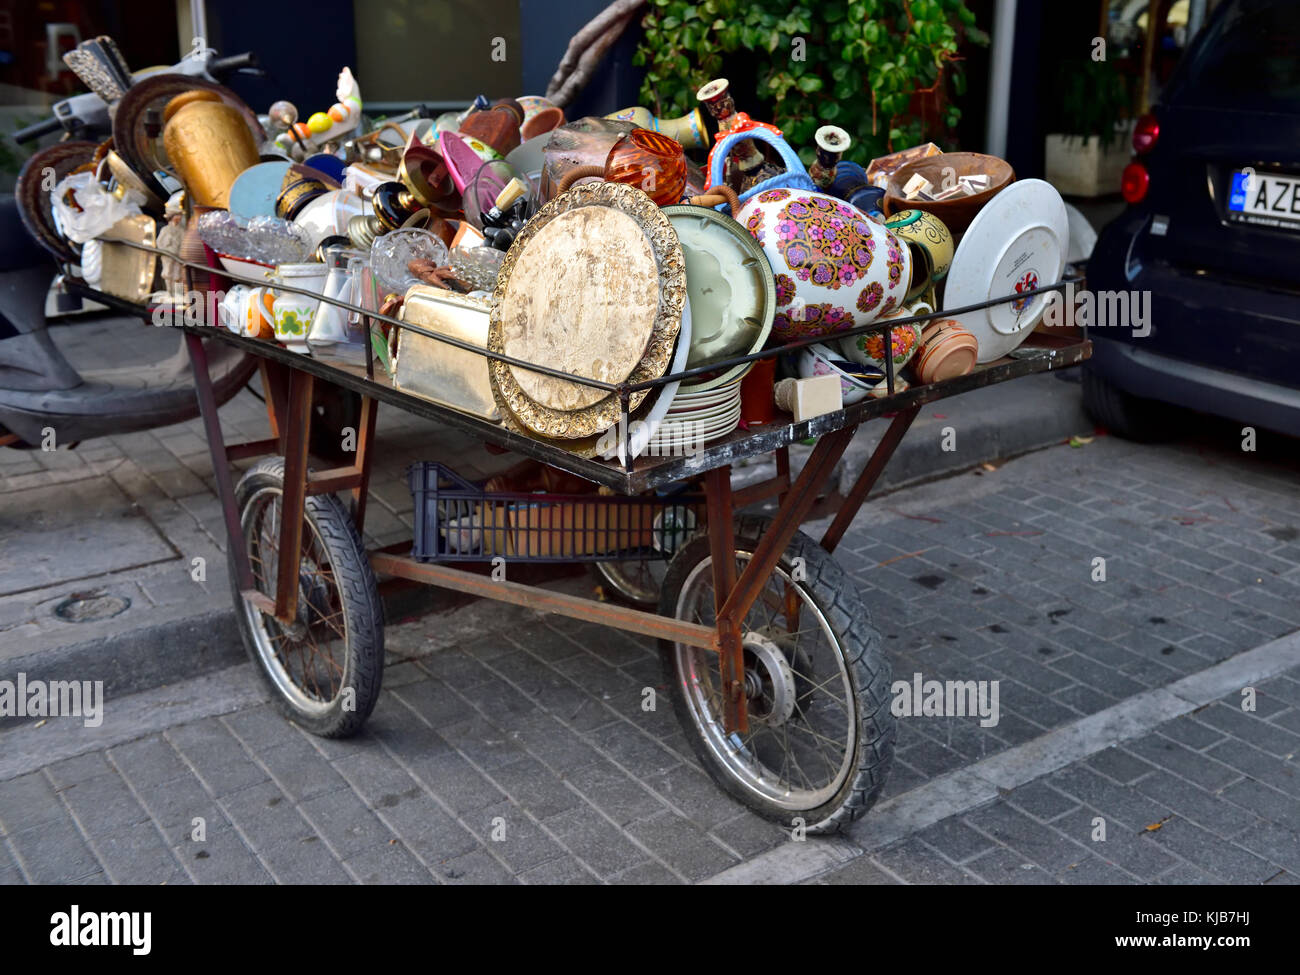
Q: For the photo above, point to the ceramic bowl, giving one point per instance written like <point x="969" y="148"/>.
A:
<point x="958" y="212"/>
<point x="329" y="215"/>
<point x="245" y="268"/>
<point x="820" y="360"/>
<point x="834" y="268"/>
<point x="869" y="349"/>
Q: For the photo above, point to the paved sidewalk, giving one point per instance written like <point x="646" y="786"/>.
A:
<point x="495" y="723"/>
<point x="1211" y="797"/>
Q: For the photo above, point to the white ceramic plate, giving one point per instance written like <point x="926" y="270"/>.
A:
<point x="638" y="437"/>
<point x="685" y="436"/>
<point x="1017" y="242"/>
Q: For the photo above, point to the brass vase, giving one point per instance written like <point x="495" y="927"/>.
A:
<point x="209" y="143"/>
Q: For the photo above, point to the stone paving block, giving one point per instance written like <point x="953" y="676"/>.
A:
<point x="561" y="870"/>
<point x="388" y="863"/>
<point x="1119" y="765"/>
<point x="1240" y="724"/>
<point x="1277" y="844"/>
<point x="1190" y="731"/>
<point x="916" y="863"/>
<point x="345" y="822"/>
<point x="1005" y="866"/>
<point x="222" y="858"/>
<point x="1041" y="801"/>
<point x="215" y="755"/>
<point x="138" y="854"/>
<point x="1130" y="849"/>
<point x="1259" y="765"/>
<point x="55" y="853"/>
<point x="646" y="874"/>
<point x="535" y="787"/>
<point x="27" y="801"/>
<point x="1224" y="860"/>
<point x="1050" y="850"/>
<point x="1195" y="766"/>
<point x="476" y="868"/>
<point x="618" y="795"/>
<point x="603" y="847"/>
<point x="682" y="845"/>
<point x="102" y="804"/>
<point x="303" y="860"/>
<point x="1208" y="811"/>
<point x="1264" y="801"/>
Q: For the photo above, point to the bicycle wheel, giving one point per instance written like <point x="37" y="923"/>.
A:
<point x="325" y="668"/>
<point x="635" y="582"/>
<point x="821" y="734"/>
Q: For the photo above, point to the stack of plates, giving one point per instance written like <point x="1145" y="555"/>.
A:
<point x="696" y="417"/>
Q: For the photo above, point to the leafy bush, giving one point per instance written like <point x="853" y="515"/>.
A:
<point x="862" y="61"/>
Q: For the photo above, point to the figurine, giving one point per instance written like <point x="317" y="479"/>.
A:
<point x="320" y="127"/>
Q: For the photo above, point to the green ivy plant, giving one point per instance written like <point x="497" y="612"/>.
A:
<point x="862" y="62"/>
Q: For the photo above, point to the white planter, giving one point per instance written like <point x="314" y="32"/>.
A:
<point x="1082" y="168"/>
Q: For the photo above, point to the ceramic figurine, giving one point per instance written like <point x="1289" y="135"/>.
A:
<point x="321" y="127"/>
<point x="746" y="165"/>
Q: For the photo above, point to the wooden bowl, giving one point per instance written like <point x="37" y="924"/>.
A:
<point x="958" y="212"/>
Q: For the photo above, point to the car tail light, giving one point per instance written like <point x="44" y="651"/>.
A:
<point x="1146" y="134"/>
<point x="1133" y="186"/>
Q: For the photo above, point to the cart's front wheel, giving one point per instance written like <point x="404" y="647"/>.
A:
<point x="821" y="734"/>
<point x="325" y="667"/>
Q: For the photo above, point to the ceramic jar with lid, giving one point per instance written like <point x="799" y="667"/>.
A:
<point x="833" y="267"/>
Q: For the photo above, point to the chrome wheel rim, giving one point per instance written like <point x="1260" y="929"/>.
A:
<point x="797" y="754"/>
<point x="306" y="660"/>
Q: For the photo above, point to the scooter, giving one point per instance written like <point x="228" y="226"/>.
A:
<point x="101" y="373"/>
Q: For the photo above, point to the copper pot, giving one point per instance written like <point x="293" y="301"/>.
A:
<point x="209" y="143"/>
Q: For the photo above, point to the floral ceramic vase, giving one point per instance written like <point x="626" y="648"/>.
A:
<point x="833" y="267"/>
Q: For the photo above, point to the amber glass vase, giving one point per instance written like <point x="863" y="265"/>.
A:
<point x="651" y="161"/>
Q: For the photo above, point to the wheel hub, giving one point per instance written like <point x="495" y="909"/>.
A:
<point x="769" y="681"/>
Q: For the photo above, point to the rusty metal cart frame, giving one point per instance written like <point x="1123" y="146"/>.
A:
<point x="288" y="379"/>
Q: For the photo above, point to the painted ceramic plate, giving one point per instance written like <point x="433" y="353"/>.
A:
<point x="1018" y="242"/>
<point x="733" y="296"/>
<point x="594" y="285"/>
<point x="254" y="191"/>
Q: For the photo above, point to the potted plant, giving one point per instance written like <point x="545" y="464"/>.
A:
<point x="1089" y="150"/>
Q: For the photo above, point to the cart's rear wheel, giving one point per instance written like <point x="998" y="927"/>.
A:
<point x="635" y="582"/>
<point x="325" y="668"/>
<point x="821" y="734"/>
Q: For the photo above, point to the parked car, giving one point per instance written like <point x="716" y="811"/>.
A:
<point x="1212" y="230"/>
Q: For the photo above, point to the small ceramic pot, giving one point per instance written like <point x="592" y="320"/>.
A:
<point x="930" y="242"/>
<point x="294" y="312"/>
<point x="833" y="267"/>
<point x="259" y="315"/>
<point x="540" y="116"/>
<point x="948" y="350"/>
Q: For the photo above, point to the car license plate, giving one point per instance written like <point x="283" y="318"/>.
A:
<point x="1265" y="199"/>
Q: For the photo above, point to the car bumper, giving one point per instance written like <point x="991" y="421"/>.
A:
<point x="1151" y="375"/>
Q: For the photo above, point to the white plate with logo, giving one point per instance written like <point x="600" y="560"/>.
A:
<point x="1018" y="242"/>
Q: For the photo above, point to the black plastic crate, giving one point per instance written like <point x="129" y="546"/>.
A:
<point x="457" y="521"/>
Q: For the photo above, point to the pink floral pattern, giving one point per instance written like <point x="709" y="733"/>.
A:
<point x="755" y="225"/>
<point x="809" y="321"/>
<point x="824" y="242"/>
<point x="784" y="290"/>
<point x="870" y="297"/>
<point x="773" y="196"/>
